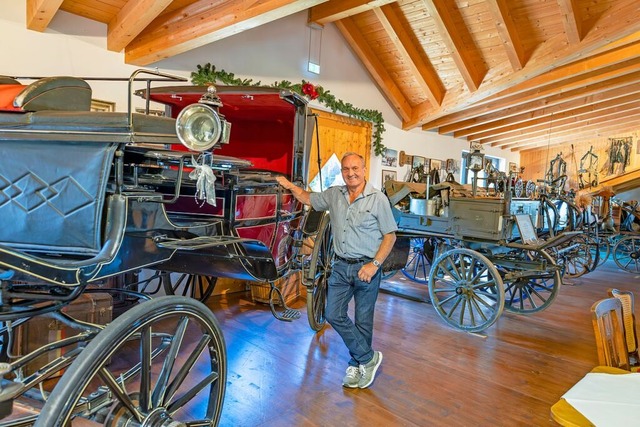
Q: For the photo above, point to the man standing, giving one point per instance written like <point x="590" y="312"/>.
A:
<point x="363" y="235"/>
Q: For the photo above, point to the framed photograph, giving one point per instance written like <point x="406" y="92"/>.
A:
<point x="450" y="166"/>
<point x="513" y="168"/>
<point x="100" y="105"/>
<point x="419" y="162"/>
<point x="436" y="164"/>
<point x="390" y="158"/>
<point x="388" y="175"/>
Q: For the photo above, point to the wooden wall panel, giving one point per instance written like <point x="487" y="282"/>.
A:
<point x="339" y="134"/>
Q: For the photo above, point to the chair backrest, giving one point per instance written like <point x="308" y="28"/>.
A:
<point x="608" y="327"/>
<point x="628" y="313"/>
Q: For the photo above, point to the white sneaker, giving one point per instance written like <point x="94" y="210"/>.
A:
<point x="352" y="379"/>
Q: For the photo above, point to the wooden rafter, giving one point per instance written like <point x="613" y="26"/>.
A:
<point x="571" y="20"/>
<point x="425" y="74"/>
<point x="558" y="92"/>
<point x="40" y="13"/>
<point x="132" y="19"/>
<point x="335" y="10"/>
<point x="508" y="32"/>
<point x="375" y="68"/>
<point x="200" y="23"/>
<point x="472" y="72"/>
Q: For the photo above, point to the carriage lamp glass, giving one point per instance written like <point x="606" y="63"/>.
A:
<point x="475" y="160"/>
<point x="199" y="127"/>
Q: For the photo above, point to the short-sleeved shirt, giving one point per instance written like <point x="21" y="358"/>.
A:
<point x="357" y="227"/>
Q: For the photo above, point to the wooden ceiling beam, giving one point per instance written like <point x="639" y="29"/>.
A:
<point x="593" y="132"/>
<point x="554" y="136"/>
<point x="40" y="13"/>
<point x="508" y="32"/>
<point x="378" y="72"/>
<point x="571" y="123"/>
<point x="618" y="22"/>
<point x="132" y="19"/>
<point x="424" y="73"/>
<point x="540" y="117"/>
<point x="472" y="72"/>
<point x="470" y="126"/>
<point x="551" y="100"/>
<point x="335" y="10"/>
<point x="204" y="22"/>
<point x="580" y="74"/>
<point x="571" y="20"/>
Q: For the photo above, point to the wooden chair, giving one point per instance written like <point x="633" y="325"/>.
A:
<point x="629" y="319"/>
<point x="608" y="327"/>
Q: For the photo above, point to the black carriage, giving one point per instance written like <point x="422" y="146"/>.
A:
<point x="107" y="202"/>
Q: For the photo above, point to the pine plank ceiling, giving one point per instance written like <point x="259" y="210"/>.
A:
<point x="514" y="74"/>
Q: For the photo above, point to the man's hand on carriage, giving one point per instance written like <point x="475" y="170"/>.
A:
<point x="298" y="193"/>
<point x="284" y="182"/>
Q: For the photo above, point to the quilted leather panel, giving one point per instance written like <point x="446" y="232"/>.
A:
<point x="52" y="195"/>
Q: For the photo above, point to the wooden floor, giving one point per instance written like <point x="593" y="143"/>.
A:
<point x="282" y="373"/>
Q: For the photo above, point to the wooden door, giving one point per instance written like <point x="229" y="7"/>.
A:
<point x="338" y="135"/>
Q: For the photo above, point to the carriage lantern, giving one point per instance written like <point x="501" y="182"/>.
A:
<point x="475" y="162"/>
<point x="201" y="126"/>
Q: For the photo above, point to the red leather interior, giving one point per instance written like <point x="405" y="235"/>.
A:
<point x="7" y="94"/>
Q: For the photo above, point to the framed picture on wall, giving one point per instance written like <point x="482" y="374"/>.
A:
<point x="388" y="175"/>
<point x="390" y="158"/>
<point x="419" y="163"/>
<point x="513" y="168"/>
<point x="436" y="164"/>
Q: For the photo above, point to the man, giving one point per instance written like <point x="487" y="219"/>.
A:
<point x="363" y="235"/>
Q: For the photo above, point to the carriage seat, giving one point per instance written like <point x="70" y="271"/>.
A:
<point x="49" y="93"/>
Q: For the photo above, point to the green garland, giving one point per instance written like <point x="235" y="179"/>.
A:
<point x="208" y="74"/>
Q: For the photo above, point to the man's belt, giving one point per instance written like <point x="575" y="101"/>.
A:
<point x="354" y="260"/>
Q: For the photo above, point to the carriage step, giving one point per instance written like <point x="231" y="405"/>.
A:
<point x="287" y="315"/>
<point x="276" y="298"/>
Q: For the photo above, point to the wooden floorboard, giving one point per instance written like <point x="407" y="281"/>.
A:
<point x="283" y="373"/>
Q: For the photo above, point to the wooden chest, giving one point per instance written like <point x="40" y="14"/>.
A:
<point x="96" y="308"/>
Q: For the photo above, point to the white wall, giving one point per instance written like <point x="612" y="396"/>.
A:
<point x="273" y="52"/>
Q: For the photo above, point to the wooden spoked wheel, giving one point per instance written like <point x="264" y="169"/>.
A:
<point x="188" y="285"/>
<point x="531" y="281"/>
<point x="162" y="363"/>
<point x="626" y="254"/>
<point x="466" y="290"/>
<point x="419" y="260"/>
<point x="580" y="259"/>
<point x="316" y="271"/>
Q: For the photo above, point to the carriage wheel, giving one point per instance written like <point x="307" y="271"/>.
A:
<point x="579" y="260"/>
<point x="466" y="290"/>
<point x="317" y="272"/>
<point x="529" y="290"/>
<point x="188" y="285"/>
<point x="530" y="189"/>
<point x="604" y="250"/>
<point x="626" y="253"/>
<point x="518" y="188"/>
<point x="162" y="363"/>
<point x="419" y="261"/>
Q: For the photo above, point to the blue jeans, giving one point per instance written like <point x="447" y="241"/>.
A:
<point x="344" y="285"/>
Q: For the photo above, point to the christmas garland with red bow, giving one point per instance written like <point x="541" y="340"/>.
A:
<point x="208" y="74"/>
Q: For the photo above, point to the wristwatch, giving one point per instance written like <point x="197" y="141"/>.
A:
<point x="376" y="263"/>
